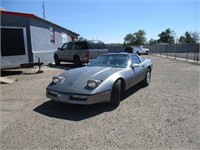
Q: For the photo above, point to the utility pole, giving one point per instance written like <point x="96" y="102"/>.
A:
<point x="43" y="10"/>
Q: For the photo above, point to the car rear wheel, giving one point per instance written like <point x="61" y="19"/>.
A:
<point x="147" y="79"/>
<point x="56" y="59"/>
<point x="116" y="94"/>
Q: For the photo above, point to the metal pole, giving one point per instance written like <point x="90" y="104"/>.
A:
<point x="187" y="53"/>
<point x="167" y="51"/>
<point x="175" y="51"/>
<point x="198" y="52"/>
<point x="43" y="8"/>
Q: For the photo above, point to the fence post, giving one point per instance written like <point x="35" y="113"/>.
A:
<point x="196" y="52"/>
<point x="175" y="51"/>
<point x="167" y="51"/>
<point x="160" y="51"/>
<point x="198" y="48"/>
<point x="187" y="55"/>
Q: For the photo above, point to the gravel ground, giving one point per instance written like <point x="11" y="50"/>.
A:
<point x="164" y="115"/>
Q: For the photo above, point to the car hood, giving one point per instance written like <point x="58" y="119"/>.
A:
<point x="76" y="79"/>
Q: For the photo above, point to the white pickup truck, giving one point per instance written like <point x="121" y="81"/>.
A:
<point x="139" y="49"/>
<point x="79" y="52"/>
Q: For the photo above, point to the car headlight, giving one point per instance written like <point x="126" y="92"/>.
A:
<point x="93" y="83"/>
<point x="58" y="80"/>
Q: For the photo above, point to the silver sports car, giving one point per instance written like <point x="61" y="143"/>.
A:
<point x="102" y="80"/>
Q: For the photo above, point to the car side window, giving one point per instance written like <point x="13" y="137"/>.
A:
<point x="64" y="47"/>
<point x="102" y="46"/>
<point x="69" y="46"/>
<point x="92" y="45"/>
<point x="135" y="59"/>
<point x="80" y="45"/>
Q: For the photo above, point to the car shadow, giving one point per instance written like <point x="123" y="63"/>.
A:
<point x="72" y="112"/>
<point x="131" y="91"/>
<point x="79" y="112"/>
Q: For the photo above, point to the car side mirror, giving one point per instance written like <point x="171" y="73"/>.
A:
<point x="59" y="48"/>
<point x="134" y="65"/>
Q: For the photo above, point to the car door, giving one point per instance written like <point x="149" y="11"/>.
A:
<point x="138" y="71"/>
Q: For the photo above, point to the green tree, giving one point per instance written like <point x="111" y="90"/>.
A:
<point x="152" y="41"/>
<point x="137" y="38"/>
<point x="167" y="36"/>
<point x="81" y="38"/>
<point x="128" y="40"/>
<point x="189" y="37"/>
<point x="182" y="40"/>
<point x="195" y="37"/>
<point x="140" y="37"/>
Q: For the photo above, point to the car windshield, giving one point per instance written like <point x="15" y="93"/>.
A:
<point x="113" y="60"/>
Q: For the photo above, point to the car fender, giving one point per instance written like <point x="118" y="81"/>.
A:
<point x="108" y="84"/>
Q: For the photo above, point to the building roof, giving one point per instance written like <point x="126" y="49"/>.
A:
<point x="35" y="17"/>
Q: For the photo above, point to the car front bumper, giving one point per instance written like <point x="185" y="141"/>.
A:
<point x="74" y="98"/>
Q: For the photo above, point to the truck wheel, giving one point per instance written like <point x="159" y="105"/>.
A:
<point x="56" y="59"/>
<point x="137" y="53"/>
<point x="77" y="61"/>
<point x="116" y="94"/>
<point x="147" y="52"/>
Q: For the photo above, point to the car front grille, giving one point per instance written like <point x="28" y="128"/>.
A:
<point x="79" y="97"/>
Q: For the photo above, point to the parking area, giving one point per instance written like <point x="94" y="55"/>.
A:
<point x="164" y="115"/>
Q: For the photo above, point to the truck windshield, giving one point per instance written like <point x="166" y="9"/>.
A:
<point x="116" y="61"/>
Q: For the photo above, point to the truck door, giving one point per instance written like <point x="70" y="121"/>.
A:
<point x="69" y="52"/>
<point x="62" y="51"/>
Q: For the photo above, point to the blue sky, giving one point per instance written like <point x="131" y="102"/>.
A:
<point x="111" y="20"/>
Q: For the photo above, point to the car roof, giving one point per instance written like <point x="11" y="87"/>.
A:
<point x="86" y="41"/>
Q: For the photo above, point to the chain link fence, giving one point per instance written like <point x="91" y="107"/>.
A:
<point x="188" y="52"/>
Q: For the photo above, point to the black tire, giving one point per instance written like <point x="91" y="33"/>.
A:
<point x="77" y="61"/>
<point x="147" y="79"/>
<point x="116" y="94"/>
<point x="147" y="52"/>
<point x="56" y="59"/>
<point x="137" y="53"/>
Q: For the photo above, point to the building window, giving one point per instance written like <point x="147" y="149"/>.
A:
<point x="52" y="35"/>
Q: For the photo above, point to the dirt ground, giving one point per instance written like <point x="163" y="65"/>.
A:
<point x="164" y="115"/>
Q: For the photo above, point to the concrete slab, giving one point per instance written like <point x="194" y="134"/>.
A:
<point x="5" y="80"/>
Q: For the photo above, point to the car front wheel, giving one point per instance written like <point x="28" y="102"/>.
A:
<point x="56" y="59"/>
<point x="116" y="94"/>
<point x="147" y="79"/>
